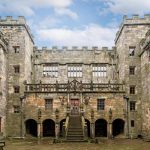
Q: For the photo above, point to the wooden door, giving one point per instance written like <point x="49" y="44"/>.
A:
<point x="74" y="106"/>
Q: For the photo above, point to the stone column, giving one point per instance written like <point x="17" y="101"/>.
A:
<point x="81" y="98"/>
<point x="68" y="98"/>
<point x="109" y="125"/>
<point x="92" y="128"/>
<point x="39" y="129"/>
<point x="126" y="129"/>
<point x="57" y="130"/>
<point x="109" y="128"/>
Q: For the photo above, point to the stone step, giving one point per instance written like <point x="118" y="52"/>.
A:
<point x="75" y="137"/>
<point x="78" y="131"/>
<point x="75" y="132"/>
<point x="70" y="140"/>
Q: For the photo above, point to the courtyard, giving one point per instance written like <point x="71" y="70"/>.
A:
<point x="104" y="144"/>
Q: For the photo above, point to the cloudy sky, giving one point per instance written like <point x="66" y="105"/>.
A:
<point x="74" y="22"/>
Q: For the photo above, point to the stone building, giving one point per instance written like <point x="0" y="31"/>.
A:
<point x="3" y="82"/>
<point x="145" y="83"/>
<point x="79" y="92"/>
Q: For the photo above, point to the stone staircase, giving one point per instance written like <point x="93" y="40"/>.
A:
<point x="75" y="131"/>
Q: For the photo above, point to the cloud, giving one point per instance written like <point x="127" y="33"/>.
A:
<point x="48" y="22"/>
<point x="126" y="6"/>
<point x="27" y="7"/>
<point x="91" y="35"/>
<point x="67" y="12"/>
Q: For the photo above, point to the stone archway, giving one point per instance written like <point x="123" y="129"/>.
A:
<point x="88" y="127"/>
<point x="61" y="126"/>
<point x="101" y="128"/>
<point x="31" y="127"/>
<point x="48" y="128"/>
<point x="118" y="127"/>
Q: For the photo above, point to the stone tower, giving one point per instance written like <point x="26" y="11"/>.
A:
<point x="131" y="31"/>
<point x="145" y="84"/>
<point x="20" y="50"/>
<point x="3" y="81"/>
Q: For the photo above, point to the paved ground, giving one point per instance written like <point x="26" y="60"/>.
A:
<point x="117" y="144"/>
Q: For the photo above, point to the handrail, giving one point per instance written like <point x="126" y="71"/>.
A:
<point x="66" y="125"/>
<point x="74" y="87"/>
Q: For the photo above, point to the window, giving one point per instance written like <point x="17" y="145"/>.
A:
<point x="132" y="105"/>
<point x="132" y="89"/>
<point x="49" y="104"/>
<point x="132" y="123"/>
<point x="16" y="109"/>
<point x="75" y="71"/>
<point x="16" y="89"/>
<point x="50" y="70"/>
<point x="99" y="71"/>
<point x="131" y="51"/>
<point x="16" y="49"/>
<point x="100" y="104"/>
<point x="17" y="69"/>
<point x="132" y="70"/>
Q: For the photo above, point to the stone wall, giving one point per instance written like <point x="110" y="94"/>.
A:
<point x="64" y="57"/>
<point x="3" y="83"/>
<point x="19" y="36"/>
<point x="31" y="61"/>
<point x="145" y="78"/>
<point x="130" y="34"/>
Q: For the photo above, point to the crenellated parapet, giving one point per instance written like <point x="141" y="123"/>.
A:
<point x="10" y="22"/>
<point x="74" y="48"/>
<point x="134" y="20"/>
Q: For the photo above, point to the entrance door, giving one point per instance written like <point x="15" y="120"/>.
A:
<point x="74" y="106"/>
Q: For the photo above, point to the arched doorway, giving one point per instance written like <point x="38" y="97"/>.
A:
<point x="88" y="127"/>
<point x="61" y="126"/>
<point x="101" y="128"/>
<point x="31" y="127"/>
<point x="48" y="128"/>
<point x="118" y="127"/>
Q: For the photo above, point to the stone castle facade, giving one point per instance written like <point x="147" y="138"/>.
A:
<point x="40" y="89"/>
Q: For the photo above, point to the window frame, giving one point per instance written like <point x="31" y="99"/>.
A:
<point x="132" y="51"/>
<point x="50" y="70"/>
<point x="132" y="105"/>
<point x="100" y="104"/>
<point x="16" y="68"/>
<point x="16" y="89"/>
<point x="99" y="70"/>
<point x="48" y="104"/>
<point x="16" y="49"/>
<point x="132" y="89"/>
<point x="132" y="123"/>
<point x="131" y="70"/>
<point x="16" y="109"/>
<point x="75" y="71"/>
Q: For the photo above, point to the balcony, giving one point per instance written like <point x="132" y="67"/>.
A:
<point x="75" y="87"/>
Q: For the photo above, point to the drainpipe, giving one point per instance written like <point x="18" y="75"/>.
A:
<point x="127" y="114"/>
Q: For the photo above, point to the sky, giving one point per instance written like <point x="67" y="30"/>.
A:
<point x="74" y="22"/>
